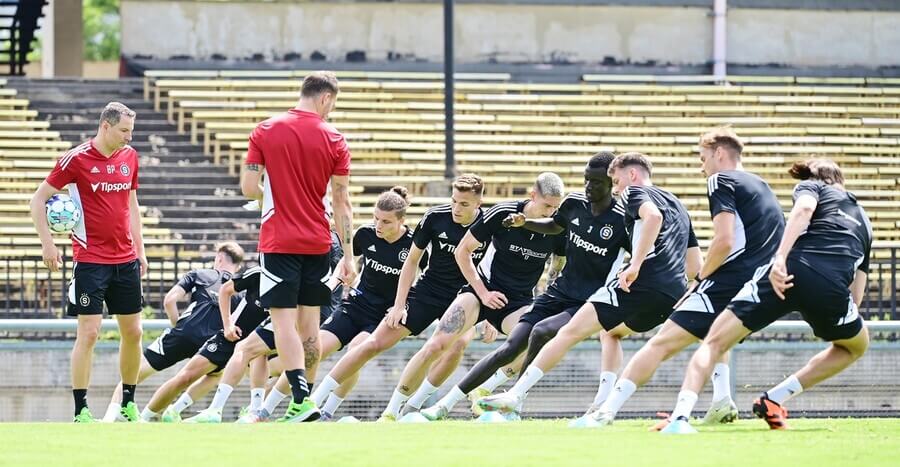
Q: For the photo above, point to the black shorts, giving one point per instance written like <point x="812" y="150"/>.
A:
<point x="546" y="305"/>
<point x="829" y="309"/>
<point x="266" y="332"/>
<point x="697" y="313"/>
<point x="291" y="280"/>
<point x="496" y="317"/>
<point x="170" y="348"/>
<point x="422" y="309"/>
<point x="119" y="285"/>
<point x="218" y="350"/>
<point x="351" y="320"/>
<point x="640" y="310"/>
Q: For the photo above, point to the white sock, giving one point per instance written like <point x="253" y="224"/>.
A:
<point x="622" y="392"/>
<point x="422" y="394"/>
<point x="685" y="405"/>
<point x="721" y="380"/>
<point x="256" y="398"/>
<point x="182" y="403"/>
<point x="785" y="390"/>
<point x="397" y="399"/>
<point x="452" y="398"/>
<point x="607" y="383"/>
<point x="221" y="397"/>
<point x="112" y="412"/>
<point x="531" y="376"/>
<point x="272" y="400"/>
<point x="323" y="389"/>
<point x="148" y="415"/>
<point x="332" y="404"/>
<point x="495" y="381"/>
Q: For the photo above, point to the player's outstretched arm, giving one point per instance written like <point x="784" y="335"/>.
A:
<point x="51" y="254"/>
<point x="170" y="302"/>
<point x="343" y="223"/>
<point x="542" y="226"/>
<point x="227" y="291"/>
<point x="797" y="223"/>
<point x="719" y="246"/>
<point x="250" y="181"/>
<point x="652" y="224"/>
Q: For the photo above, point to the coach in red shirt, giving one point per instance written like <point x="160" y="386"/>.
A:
<point x="102" y="178"/>
<point x="300" y="153"/>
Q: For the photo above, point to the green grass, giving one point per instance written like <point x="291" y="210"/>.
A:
<point x="817" y="443"/>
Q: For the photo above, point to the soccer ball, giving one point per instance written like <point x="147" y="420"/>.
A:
<point x="62" y="213"/>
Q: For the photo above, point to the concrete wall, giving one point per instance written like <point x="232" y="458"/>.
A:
<point x="508" y="32"/>
<point x="34" y="382"/>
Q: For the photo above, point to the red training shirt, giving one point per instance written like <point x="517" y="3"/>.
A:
<point x="300" y="152"/>
<point x="101" y="186"/>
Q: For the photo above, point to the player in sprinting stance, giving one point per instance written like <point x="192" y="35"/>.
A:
<point x="747" y="225"/>
<point x="595" y="252"/>
<point x="663" y="249"/>
<point x="215" y="352"/>
<point x="500" y="289"/>
<point x="819" y="269"/>
<point x="382" y="247"/>
<point x="416" y="307"/>
<point x="108" y="247"/>
<point x="190" y="329"/>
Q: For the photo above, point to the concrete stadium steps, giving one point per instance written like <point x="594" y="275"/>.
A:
<point x="198" y="202"/>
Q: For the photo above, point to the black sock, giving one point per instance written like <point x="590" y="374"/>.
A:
<point x="299" y="387"/>
<point x="80" y="396"/>
<point x="128" y="393"/>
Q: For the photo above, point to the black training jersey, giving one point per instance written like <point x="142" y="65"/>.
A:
<point x="758" y="222"/>
<point x="839" y="237"/>
<point x="595" y="247"/>
<point x="663" y="268"/>
<point x="381" y="265"/>
<point x="515" y="258"/>
<point x="248" y="313"/>
<point x="439" y="235"/>
<point x="201" y="318"/>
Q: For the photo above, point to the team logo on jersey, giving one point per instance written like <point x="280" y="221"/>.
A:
<point x="606" y="232"/>
<point x="443" y="235"/>
<point x="95" y="170"/>
<point x="575" y="221"/>
<point x="124" y="169"/>
<point x="403" y="254"/>
<point x="85" y="300"/>
<point x="212" y="347"/>
<point x="372" y="248"/>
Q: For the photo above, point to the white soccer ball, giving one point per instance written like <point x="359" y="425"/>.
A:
<point x="62" y="213"/>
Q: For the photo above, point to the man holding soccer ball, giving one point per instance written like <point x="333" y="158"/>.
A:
<point x="102" y="178"/>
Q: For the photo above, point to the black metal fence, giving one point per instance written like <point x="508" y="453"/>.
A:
<point x="29" y="290"/>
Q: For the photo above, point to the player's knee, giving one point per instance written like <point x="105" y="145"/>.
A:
<point x="435" y="347"/>
<point x="459" y="346"/>
<point x="88" y="335"/>
<point x="543" y="333"/>
<point x="131" y="333"/>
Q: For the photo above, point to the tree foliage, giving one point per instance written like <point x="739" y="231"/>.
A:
<point x="102" y="31"/>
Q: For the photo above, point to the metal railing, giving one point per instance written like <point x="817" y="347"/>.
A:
<point x="29" y="291"/>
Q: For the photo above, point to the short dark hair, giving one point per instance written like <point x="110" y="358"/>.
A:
<point x="631" y="158"/>
<point x="318" y="82"/>
<point x="601" y="161"/>
<point x="232" y="250"/>
<point x="723" y="136"/>
<point x="824" y="170"/>
<point x="113" y="112"/>
<point x="469" y="183"/>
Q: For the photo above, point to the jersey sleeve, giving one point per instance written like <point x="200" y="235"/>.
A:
<point x="63" y="172"/>
<point x="559" y="245"/>
<point x="246" y="279"/>
<point x="561" y="216"/>
<point x="134" y="174"/>
<point x="807" y="187"/>
<point x="483" y="229"/>
<point x="692" y="237"/>
<point x="359" y="242"/>
<point x="864" y="265"/>
<point x="424" y="231"/>
<point x="342" y="155"/>
<point x="720" y="190"/>
<point x="188" y="281"/>
<point x="634" y="197"/>
<point x="254" y="151"/>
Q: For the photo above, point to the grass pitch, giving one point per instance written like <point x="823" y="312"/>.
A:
<point x="818" y="443"/>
